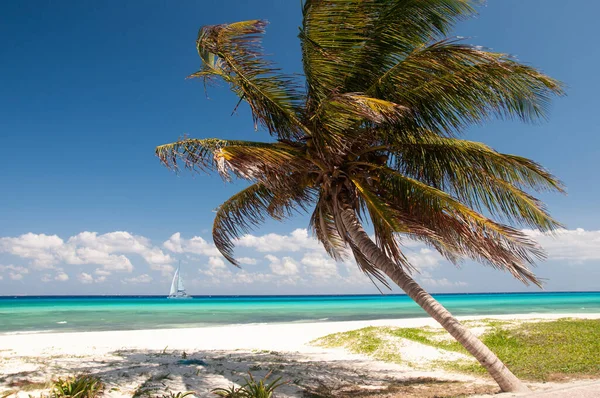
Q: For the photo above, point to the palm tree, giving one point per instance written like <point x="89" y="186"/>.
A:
<point x="372" y="138"/>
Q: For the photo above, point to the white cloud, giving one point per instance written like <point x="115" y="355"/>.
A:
<point x="286" y="266"/>
<point x="319" y="267"/>
<point x="85" y="278"/>
<point x="15" y="272"/>
<point x="275" y="259"/>
<point x="247" y="260"/>
<point x="87" y="255"/>
<point x="217" y="269"/>
<point x="216" y="262"/>
<point x="102" y="272"/>
<point x="165" y="269"/>
<point x="574" y="246"/>
<point x="424" y="258"/>
<point x="144" y="278"/>
<point x="244" y="277"/>
<point x="40" y="248"/>
<point x="121" y="242"/>
<point x="15" y="268"/>
<point x="107" y="250"/>
<point x="443" y="282"/>
<point x="61" y="277"/>
<point x="174" y="243"/>
<point x="195" y="245"/>
<point x="354" y="276"/>
<point x="271" y="243"/>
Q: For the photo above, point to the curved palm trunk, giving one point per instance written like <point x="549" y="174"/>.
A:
<point x="507" y="381"/>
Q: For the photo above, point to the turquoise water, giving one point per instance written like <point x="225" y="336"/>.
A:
<point x="33" y="314"/>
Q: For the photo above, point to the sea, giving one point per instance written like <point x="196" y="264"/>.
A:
<point x="29" y="314"/>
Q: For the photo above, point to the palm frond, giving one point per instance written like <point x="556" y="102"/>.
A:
<point x="331" y="32"/>
<point x="415" y="152"/>
<point x="266" y="162"/>
<point x="249" y="208"/>
<point x="478" y="176"/>
<point x="324" y="228"/>
<point x="366" y="266"/>
<point x="449" y="85"/>
<point x="233" y="52"/>
<point x="386" y="222"/>
<point x="458" y="230"/>
<point x="328" y="229"/>
<point x="398" y="29"/>
<point x="346" y="43"/>
<point x="343" y="113"/>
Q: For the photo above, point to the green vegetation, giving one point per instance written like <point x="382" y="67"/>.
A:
<point x="364" y="341"/>
<point x="549" y="350"/>
<point x="428" y="337"/>
<point x="542" y="351"/>
<point x="177" y="395"/>
<point x="370" y="341"/>
<point x="381" y="342"/>
<point x="251" y="389"/>
<point x="81" y="386"/>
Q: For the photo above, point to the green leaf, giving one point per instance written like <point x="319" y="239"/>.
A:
<point x="449" y="85"/>
<point x="249" y="208"/>
<point x="233" y="52"/>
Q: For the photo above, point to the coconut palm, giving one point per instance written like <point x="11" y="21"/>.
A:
<point x="372" y="139"/>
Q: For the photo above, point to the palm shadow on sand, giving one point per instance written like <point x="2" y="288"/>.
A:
<point x="143" y="373"/>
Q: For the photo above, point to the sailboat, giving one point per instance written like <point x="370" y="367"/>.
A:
<point x="177" y="289"/>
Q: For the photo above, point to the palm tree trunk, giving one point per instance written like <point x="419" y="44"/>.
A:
<point x="507" y="381"/>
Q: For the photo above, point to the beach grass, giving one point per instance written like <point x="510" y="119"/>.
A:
<point x="536" y="351"/>
<point x="80" y="386"/>
<point x="370" y="341"/>
<point x="566" y="348"/>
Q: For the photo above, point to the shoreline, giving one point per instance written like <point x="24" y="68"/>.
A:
<point x="410" y="319"/>
<point x="257" y="336"/>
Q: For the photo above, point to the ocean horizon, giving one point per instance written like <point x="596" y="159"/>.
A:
<point x="35" y="314"/>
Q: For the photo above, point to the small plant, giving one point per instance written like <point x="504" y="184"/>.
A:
<point x="178" y="395"/>
<point x="252" y="389"/>
<point x="183" y="355"/>
<point x="231" y="392"/>
<point x="260" y="389"/>
<point x="81" y="386"/>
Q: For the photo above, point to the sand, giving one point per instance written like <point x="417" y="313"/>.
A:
<point x="149" y="362"/>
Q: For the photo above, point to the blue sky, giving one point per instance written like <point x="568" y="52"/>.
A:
<point x="88" y="89"/>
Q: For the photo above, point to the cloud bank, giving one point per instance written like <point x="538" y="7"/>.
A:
<point x="294" y="259"/>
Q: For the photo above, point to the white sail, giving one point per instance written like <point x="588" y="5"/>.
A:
<point x="175" y="283"/>
<point x="177" y="289"/>
<point x="180" y="287"/>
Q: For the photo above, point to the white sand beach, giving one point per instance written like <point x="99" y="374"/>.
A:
<point x="149" y="361"/>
